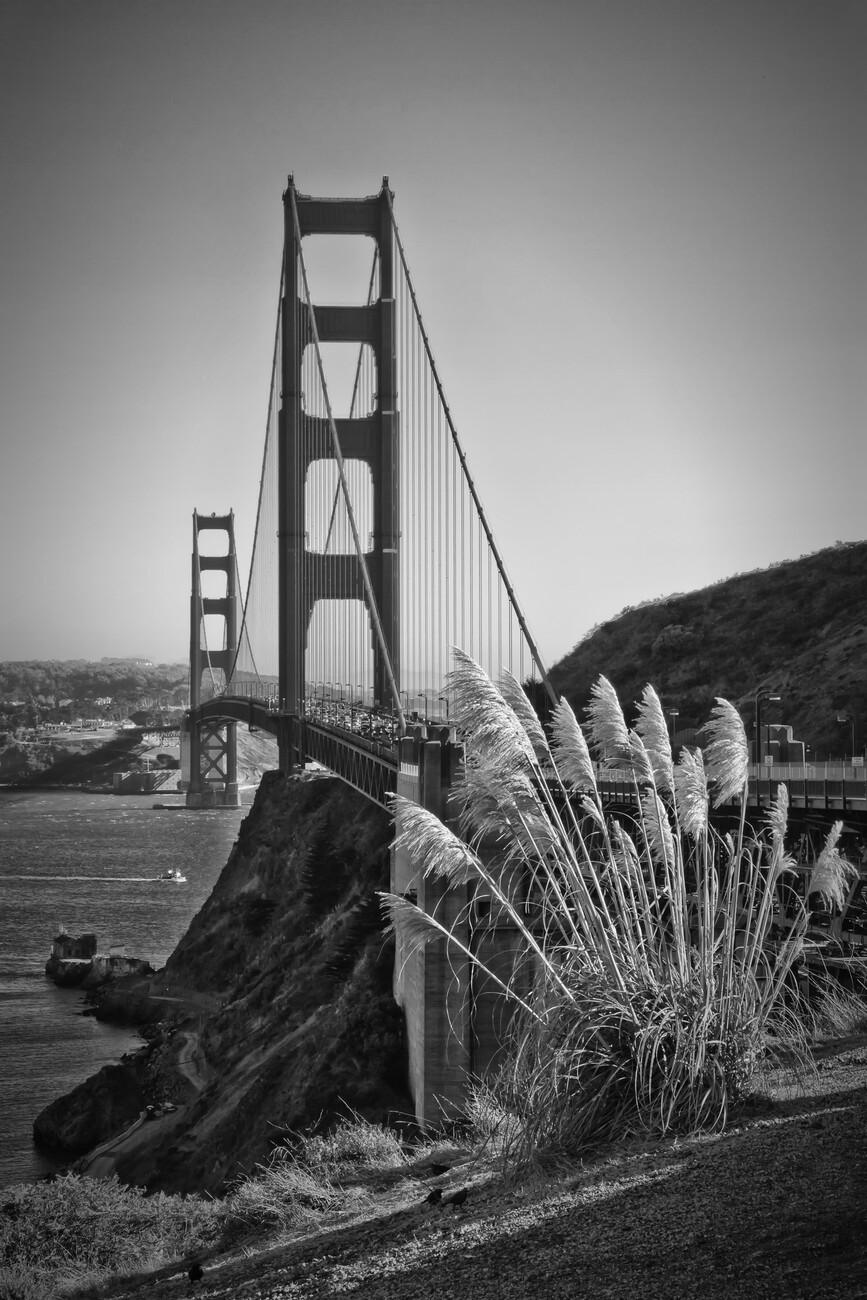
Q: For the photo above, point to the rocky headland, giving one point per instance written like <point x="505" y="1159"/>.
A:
<point x="274" y="1012"/>
<point x="93" y="972"/>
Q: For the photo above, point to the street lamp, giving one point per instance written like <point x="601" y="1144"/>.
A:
<point x="847" y="717"/>
<point x="761" y="695"/>
<point x="673" y="713"/>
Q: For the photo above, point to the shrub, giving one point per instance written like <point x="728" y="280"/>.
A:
<point x="304" y="1181"/>
<point x="353" y="1140"/>
<point x="646" y="989"/>
<point x="282" y="1194"/>
<point x="72" y="1230"/>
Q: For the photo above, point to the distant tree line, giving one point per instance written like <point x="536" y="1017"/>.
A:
<point x="40" y="690"/>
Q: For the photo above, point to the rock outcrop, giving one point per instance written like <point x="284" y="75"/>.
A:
<point x="103" y="1105"/>
<point x="93" y="972"/>
<point x="276" y="1008"/>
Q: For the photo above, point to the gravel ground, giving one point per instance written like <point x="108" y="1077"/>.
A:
<point x="777" y="1207"/>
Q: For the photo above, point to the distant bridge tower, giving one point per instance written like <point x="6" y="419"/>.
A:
<point x="309" y="433"/>
<point x="209" y="752"/>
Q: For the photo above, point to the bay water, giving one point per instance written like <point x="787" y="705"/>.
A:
<point x="90" y="863"/>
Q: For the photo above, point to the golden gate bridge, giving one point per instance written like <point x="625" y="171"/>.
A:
<point x="372" y="554"/>
<point x="372" y="558"/>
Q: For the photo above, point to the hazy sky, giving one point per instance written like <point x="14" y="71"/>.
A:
<point x="637" y="231"/>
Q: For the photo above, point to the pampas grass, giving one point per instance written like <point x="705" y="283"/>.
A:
<point x="832" y="873"/>
<point x="655" y="991"/>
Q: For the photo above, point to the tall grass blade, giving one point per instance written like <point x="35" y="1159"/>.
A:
<point x="727" y="757"/>
<point x="832" y="873"/>
<point x="570" y="750"/>
<point x="609" y="734"/>
<point x="653" y="731"/>
<point x="691" y="793"/>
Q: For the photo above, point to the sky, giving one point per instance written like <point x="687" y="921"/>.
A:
<point x="637" y="233"/>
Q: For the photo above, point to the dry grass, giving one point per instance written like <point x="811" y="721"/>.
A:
<point x="316" y="1174"/>
<point x="64" y="1234"/>
<point x="73" y="1234"/>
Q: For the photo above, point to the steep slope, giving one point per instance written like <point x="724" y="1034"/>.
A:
<point x="799" y="628"/>
<point x="275" y="1009"/>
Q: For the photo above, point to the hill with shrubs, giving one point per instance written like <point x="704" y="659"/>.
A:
<point x="798" y="628"/>
<point x="45" y="690"/>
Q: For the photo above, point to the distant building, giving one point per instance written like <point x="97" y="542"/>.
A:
<point x="781" y="745"/>
<point x="80" y="947"/>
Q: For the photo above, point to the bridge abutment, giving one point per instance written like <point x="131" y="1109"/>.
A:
<point x="432" y="984"/>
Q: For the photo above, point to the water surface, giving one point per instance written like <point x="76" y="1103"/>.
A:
<point x="89" y="863"/>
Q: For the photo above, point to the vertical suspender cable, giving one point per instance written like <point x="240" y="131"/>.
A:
<point x="537" y="658"/>
<point x="262" y="486"/>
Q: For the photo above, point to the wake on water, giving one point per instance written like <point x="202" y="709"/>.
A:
<point x="125" y="880"/>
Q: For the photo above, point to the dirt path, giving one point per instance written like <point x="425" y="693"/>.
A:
<point x="189" y="1058"/>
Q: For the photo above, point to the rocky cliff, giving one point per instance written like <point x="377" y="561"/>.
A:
<point x="275" y="1010"/>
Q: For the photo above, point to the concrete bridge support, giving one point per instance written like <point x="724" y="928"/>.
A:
<point x="432" y="984"/>
<point x="456" y="1021"/>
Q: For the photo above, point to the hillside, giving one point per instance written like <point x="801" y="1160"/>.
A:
<point x="274" y="1010"/>
<point x="50" y="690"/>
<point x="798" y="628"/>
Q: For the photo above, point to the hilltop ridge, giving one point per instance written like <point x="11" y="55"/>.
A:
<point x="798" y="628"/>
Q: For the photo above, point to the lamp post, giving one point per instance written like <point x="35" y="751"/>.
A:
<point x="847" y="717"/>
<point x="673" y="713"/>
<point x="761" y="695"/>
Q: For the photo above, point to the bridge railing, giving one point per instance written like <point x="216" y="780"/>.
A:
<point x="810" y="772"/>
<point x="824" y="787"/>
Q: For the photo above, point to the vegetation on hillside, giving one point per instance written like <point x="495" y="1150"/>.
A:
<point x="72" y="1232"/>
<point x="54" y="690"/>
<point x="798" y="628"/>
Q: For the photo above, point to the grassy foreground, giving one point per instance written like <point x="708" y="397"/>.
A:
<point x="772" y="1208"/>
<point x="67" y="1235"/>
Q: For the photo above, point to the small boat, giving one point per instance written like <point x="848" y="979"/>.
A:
<point x="174" y="873"/>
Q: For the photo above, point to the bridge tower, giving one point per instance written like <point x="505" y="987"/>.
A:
<point x="306" y="576"/>
<point x="209" y="753"/>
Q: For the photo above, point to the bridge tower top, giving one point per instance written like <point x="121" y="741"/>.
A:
<point x="208" y="658"/>
<point x="362" y="447"/>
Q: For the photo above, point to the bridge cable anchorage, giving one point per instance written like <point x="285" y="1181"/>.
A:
<point x="370" y="598"/>
<point x="492" y="544"/>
